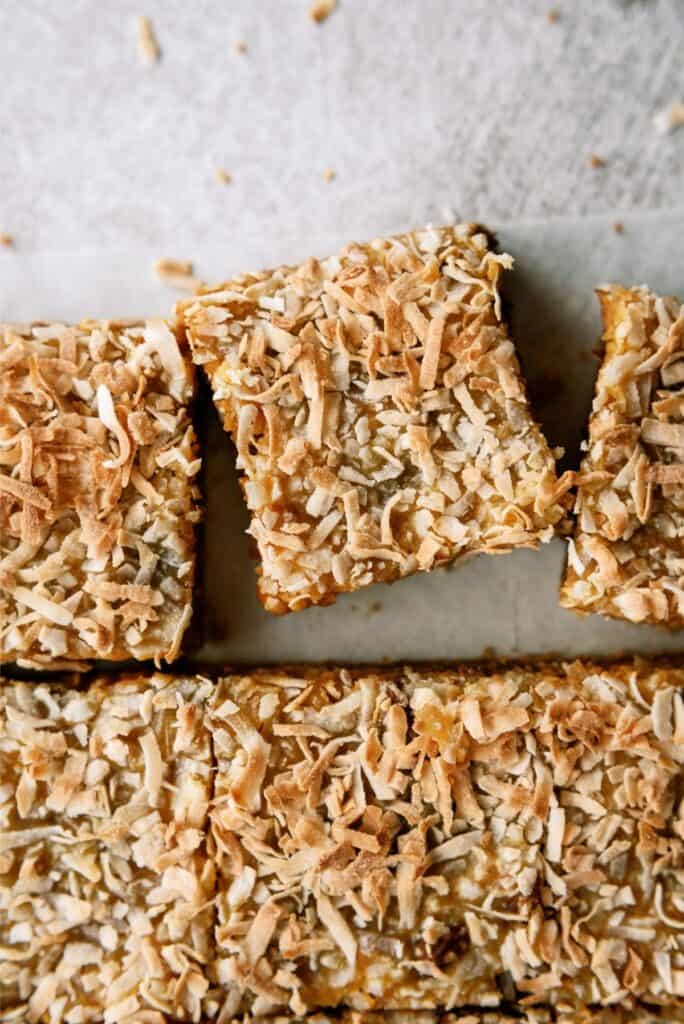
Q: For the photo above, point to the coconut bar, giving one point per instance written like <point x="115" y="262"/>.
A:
<point x="409" y="840"/>
<point x="104" y="878"/>
<point x="616" y="1015"/>
<point x="422" y="1017"/>
<point x="97" y="499"/>
<point x="379" y="414"/>
<point x="626" y="558"/>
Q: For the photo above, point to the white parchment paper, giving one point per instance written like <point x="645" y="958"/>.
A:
<point x="504" y="605"/>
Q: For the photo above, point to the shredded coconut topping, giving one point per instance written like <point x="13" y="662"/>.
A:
<point x="105" y="885"/>
<point x="441" y="839"/>
<point x="626" y="559"/>
<point x="378" y="411"/>
<point x="97" y="500"/>
<point x="405" y="839"/>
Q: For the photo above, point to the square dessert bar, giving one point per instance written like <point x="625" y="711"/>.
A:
<point x="379" y="415"/>
<point x="627" y="556"/>
<point x="97" y="499"/>
<point x="105" y="886"/>
<point x="408" y="840"/>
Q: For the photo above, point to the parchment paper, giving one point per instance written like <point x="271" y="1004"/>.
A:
<point x="504" y="605"/>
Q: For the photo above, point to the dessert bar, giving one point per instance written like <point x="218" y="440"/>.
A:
<point x="408" y="839"/>
<point x="97" y="495"/>
<point x="626" y="557"/>
<point x="379" y="414"/>
<point x="105" y="886"/>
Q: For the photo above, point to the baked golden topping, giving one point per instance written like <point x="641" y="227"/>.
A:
<point x="627" y="556"/>
<point x="105" y="886"/>
<point x="380" y="419"/>
<point x="400" y="840"/>
<point x="97" y="500"/>
<point x="417" y="840"/>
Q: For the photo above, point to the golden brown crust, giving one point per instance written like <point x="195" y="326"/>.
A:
<point x="97" y="500"/>
<point x="380" y="418"/>
<point x="627" y="556"/>
<point x="105" y="885"/>
<point x="409" y="839"/>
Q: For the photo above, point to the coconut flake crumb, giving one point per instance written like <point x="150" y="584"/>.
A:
<point x="322" y="9"/>
<point x="596" y="162"/>
<point x="222" y="176"/>
<point x="177" y="273"/>
<point x="329" y="174"/>
<point x="6" y="241"/>
<point x="670" y="118"/>
<point x="240" y="47"/>
<point x="148" y="46"/>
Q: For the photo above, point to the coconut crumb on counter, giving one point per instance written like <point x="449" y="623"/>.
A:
<point x="668" y="120"/>
<point x="437" y="839"/>
<point x="553" y="16"/>
<point x="6" y="241"/>
<point x="105" y="885"/>
<point x="329" y="174"/>
<point x="322" y="9"/>
<point x="148" y="46"/>
<point x="98" y="498"/>
<point x="625" y="559"/>
<point x="619" y="227"/>
<point x="240" y="47"/>
<point x="177" y="273"/>
<point x="596" y="162"/>
<point x="379" y="413"/>
<point x="222" y="176"/>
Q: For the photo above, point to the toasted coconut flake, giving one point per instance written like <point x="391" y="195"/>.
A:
<point x="322" y="9"/>
<point x="339" y="930"/>
<point x="154" y="769"/>
<point x="669" y="434"/>
<point x="107" y="413"/>
<point x="50" y="610"/>
<point x="178" y="273"/>
<point x="148" y="47"/>
<point x="433" y="347"/>
<point x="456" y="847"/>
<point x="670" y="118"/>
<point x="261" y="931"/>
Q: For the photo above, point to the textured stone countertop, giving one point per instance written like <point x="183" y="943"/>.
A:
<point x="424" y="109"/>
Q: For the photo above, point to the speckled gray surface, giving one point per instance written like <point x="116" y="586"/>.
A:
<point x="481" y="107"/>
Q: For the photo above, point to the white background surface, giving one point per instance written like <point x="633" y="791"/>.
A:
<point x="422" y="107"/>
